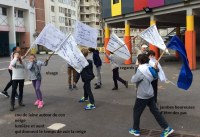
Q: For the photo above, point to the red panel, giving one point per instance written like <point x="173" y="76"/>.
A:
<point x="139" y="4"/>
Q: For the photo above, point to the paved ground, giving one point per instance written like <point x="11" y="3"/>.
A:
<point x="113" y="115"/>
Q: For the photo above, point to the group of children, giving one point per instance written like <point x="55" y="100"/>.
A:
<point x="146" y="80"/>
<point x="17" y="72"/>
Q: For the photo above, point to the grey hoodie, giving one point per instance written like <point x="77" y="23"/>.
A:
<point x="34" y="69"/>
<point x="18" y="70"/>
<point x="143" y="79"/>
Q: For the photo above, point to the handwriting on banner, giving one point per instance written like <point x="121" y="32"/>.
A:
<point x="71" y="53"/>
<point x="152" y="36"/>
<point x="50" y="37"/>
<point x="118" y="46"/>
<point x="85" y="35"/>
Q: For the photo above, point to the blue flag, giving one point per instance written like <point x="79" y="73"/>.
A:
<point x="185" y="77"/>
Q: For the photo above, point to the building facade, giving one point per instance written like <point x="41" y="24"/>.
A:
<point x="62" y="13"/>
<point x="165" y="14"/>
<point x="90" y="15"/>
<point x="17" y="25"/>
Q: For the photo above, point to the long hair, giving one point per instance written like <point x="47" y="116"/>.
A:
<point x="20" y="60"/>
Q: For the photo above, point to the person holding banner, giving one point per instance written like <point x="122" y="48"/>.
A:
<point x="18" y="68"/>
<point x="87" y="76"/>
<point x="4" y="92"/>
<point x="34" y="67"/>
<point x="145" y="97"/>
<point x="98" y="63"/>
<point x="115" y="69"/>
<point x="142" y="51"/>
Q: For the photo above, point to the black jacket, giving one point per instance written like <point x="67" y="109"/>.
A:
<point x="96" y="58"/>
<point x="87" y="73"/>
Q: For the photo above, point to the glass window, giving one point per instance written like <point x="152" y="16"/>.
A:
<point x="20" y="14"/>
<point x="52" y="8"/>
<point x="4" y="11"/>
<point x="115" y="1"/>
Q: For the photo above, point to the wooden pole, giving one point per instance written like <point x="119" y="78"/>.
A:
<point x="162" y="55"/>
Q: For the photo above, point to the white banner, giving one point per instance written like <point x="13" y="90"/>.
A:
<point x="118" y="46"/>
<point x="65" y="46"/>
<point x="161" y="73"/>
<point x="50" y="37"/>
<point x="152" y="36"/>
<point x="85" y="35"/>
<point x="72" y="54"/>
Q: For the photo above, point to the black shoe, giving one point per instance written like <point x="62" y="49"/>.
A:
<point x="21" y="104"/>
<point x="97" y="87"/>
<point x="126" y="84"/>
<point x="70" y="87"/>
<point x="5" y="94"/>
<point x="115" y="88"/>
<point x="75" y="87"/>
<point x="12" y="108"/>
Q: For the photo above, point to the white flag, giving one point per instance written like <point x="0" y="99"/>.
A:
<point x="72" y="54"/>
<point x="118" y="46"/>
<point x="152" y="36"/>
<point x="65" y="46"/>
<point x="85" y="35"/>
<point x="161" y="73"/>
<point x="50" y="37"/>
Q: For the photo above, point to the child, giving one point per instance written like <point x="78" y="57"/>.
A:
<point x="115" y="69"/>
<point x="145" y="97"/>
<point x="4" y="92"/>
<point x="34" y="67"/>
<point x="87" y="75"/>
<point x="98" y="64"/>
<point x="161" y="74"/>
<point x="71" y="73"/>
<point x="18" y="77"/>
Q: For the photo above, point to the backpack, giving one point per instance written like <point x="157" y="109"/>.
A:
<point x="154" y="72"/>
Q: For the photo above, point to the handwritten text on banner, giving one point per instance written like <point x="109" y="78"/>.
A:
<point x="115" y="43"/>
<point x="85" y="35"/>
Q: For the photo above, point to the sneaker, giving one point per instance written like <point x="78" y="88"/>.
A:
<point x="5" y="94"/>
<point x="126" y="84"/>
<point x="75" y="87"/>
<point x="83" y="99"/>
<point x="90" y="107"/>
<point x="16" y="96"/>
<point x="115" y="88"/>
<point x="98" y="84"/>
<point x="36" y="102"/>
<point x="41" y="104"/>
<point x="134" y="132"/>
<point x="167" y="132"/>
<point x="97" y="87"/>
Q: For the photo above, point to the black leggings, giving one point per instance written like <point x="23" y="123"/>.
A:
<point x="15" y="84"/>
<point x="117" y="78"/>
<point x="10" y="82"/>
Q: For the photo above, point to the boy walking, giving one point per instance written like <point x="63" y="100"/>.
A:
<point x="115" y="69"/>
<point x="145" y="97"/>
<point x="87" y="75"/>
<point x="98" y="63"/>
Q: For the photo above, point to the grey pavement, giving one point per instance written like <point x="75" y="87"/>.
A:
<point x="114" y="109"/>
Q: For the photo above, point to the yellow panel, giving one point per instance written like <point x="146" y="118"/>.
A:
<point x="116" y="8"/>
<point x="152" y="22"/>
<point x="190" y="23"/>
